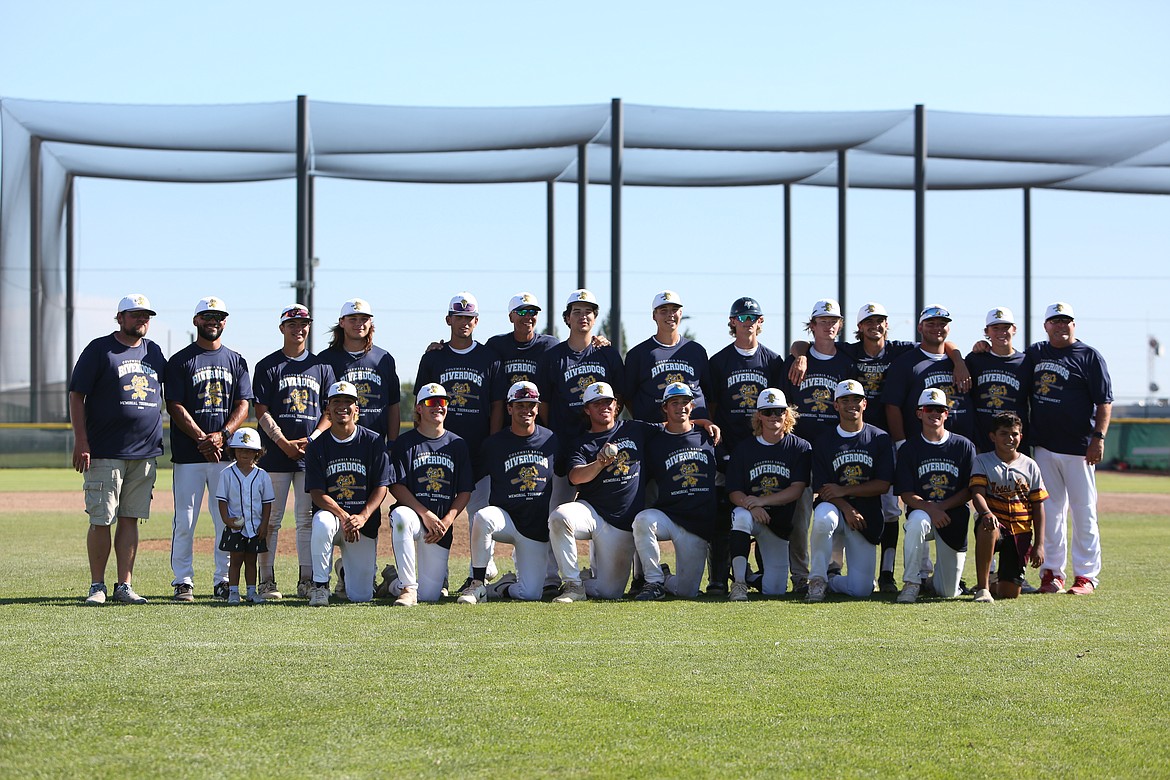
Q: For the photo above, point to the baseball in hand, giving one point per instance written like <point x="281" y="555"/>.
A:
<point x="609" y="451"/>
<point x="235" y="523"/>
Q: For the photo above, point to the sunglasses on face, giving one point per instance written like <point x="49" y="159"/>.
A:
<point x="747" y="317"/>
<point x="771" y="412"/>
<point x="434" y="402"/>
<point x="526" y="312"/>
<point x="213" y="317"/>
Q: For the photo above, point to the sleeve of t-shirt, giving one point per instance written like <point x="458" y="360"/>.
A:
<point x="381" y="468"/>
<point x="243" y="381"/>
<point x="735" y="475"/>
<point x="222" y="489"/>
<point x="262" y="387"/>
<point x="883" y="467"/>
<point x="464" y="481"/>
<point x="978" y="474"/>
<point x="389" y="372"/>
<point x="483" y="463"/>
<point x="175" y="384"/>
<point x="822" y="470"/>
<point x="1100" y="386"/>
<point x="314" y="473"/>
<point x="397" y="458"/>
<point x="85" y="373"/>
<point x="803" y="470"/>
<point x="631" y="371"/>
<point x="904" y="481"/>
<point x="424" y="372"/>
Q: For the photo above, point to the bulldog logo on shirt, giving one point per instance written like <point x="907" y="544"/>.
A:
<point x="461" y="393"/>
<point x="298" y="400"/>
<point x="747" y="396"/>
<point x="212" y="396"/>
<point x="435" y="478"/>
<point x="822" y="399"/>
<point x="1046" y="384"/>
<point x="621" y="464"/>
<point x="344" y="487"/>
<point x="137" y="387"/>
<point x="851" y="475"/>
<point x="938" y="487"/>
<point x="995" y="396"/>
<point x="526" y="478"/>
<point x="768" y="485"/>
<point x="687" y="474"/>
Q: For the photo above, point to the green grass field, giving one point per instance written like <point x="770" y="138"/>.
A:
<point x="1044" y="686"/>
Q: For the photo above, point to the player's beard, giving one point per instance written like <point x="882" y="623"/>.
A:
<point x="134" y="331"/>
<point x="211" y="331"/>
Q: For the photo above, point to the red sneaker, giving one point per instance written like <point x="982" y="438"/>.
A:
<point x="1051" y="582"/>
<point x="1083" y="586"/>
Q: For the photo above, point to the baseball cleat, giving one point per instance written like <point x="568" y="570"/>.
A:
<point x="233" y="598"/>
<point x="501" y="588"/>
<point x="652" y="591"/>
<point x="886" y="582"/>
<point x="983" y="596"/>
<point x="717" y="589"/>
<point x="816" y="591"/>
<point x="124" y="594"/>
<point x="1051" y="582"/>
<point x="319" y="595"/>
<point x="339" y="591"/>
<point x="389" y="574"/>
<point x="570" y="592"/>
<point x="1082" y="586"/>
<point x="220" y="591"/>
<point x="269" y="592"/>
<point x="1026" y="587"/>
<point x="304" y="588"/>
<point x="909" y="593"/>
<point x="97" y="595"/>
<point x="475" y="593"/>
<point x="184" y="592"/>
<point x="409" y="598"/>
<point x="739" y="592"/>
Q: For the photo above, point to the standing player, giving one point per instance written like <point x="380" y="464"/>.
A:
<point x="289" y="386"/>
<point x="1008" y="492"/>
<point x="519" y="462"/>
<point x="355" y="359"/>
<point x="766" y="477"/>
<point x="663" y="359"/>
<point x="853" y="465"/>
<point x="115" y="408"/>
<point x="432" y="484"/>
<point x="519" y="352"/>
<point x="682" y="463"/>
<point x="346" y="473"/>
<point x="932" y="474"/>
<point x="999" y="375"/>
<point x="207" y="393"/>
<point x="1072" y="400"/>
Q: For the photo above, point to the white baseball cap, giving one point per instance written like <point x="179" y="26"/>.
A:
<point x="1001" y="316"/>
<point x="342" y="388"/>
<point x="211" y="303"/>
<point x="582" y="296"/>
<point x="934" y="311"/>
<point x="463" y="304"/>
<point x="431" y="390"/>
<point x="667" y="298"/>
<point x="871" y="309"/>
<point x="245" y="439"/>
<point x="356" y="306"/>
<point x="677" y="390"/>
<point x="848" y="387"/>
<point x="523" y="300"/>
<point x="933" y="396"/>
<point x="523" y="391"/>
<point x="597" y="391"/>
<point x="136" y="302"/>
<point x="826" y="307"/>
<point x="771" y="398"/>
<point x="1059" y="309"/>
<point x="295" y="311"/>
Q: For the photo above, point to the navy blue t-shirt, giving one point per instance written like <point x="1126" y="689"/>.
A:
<point x="855" y="460"/>
<point x="123" y="397"/>
<point x="208" y="383"/>
<point x="998" y="384"/>
<point x="760" y="469"/>
<point x="1067" y="385"/>
<point x="651" y="367"/>
<point x="349" y="471"/>
<point x="937" y="472"/>
<point x="518" y="362"/>
<point x="468" y="379"/>
<point x="683" y="465"/>
<point x="294" y="392"/>
<point x="433" y="470"/>
<point x="870" y="370"/>
<point x="736" y="382"/>
<point x="375" y="377"/>
<point x="916" y="371"/>
<point x="521" y="470"/>
<point x="618" y="492"/>
<point x="564" y="375"/>
<point x="814" y="397"/>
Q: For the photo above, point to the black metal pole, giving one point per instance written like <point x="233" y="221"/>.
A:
<point x="1027" y="266"/>
<point x="304" y="208"/>
<point x="919" y="208"/>
<point x="582" y="188"/>
<point x="551" y="255"/>
<point x="615" y="227"/>
<point x="787" y="266"/>
<point x="34" y="270"/>
<point x="70" y="274"/>
<point x="842" y="232"/>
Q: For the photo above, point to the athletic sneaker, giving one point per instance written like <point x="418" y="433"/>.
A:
<point x="269" y="592"/>
<point x="983" y="596"/>
<point x="1082" y="586"/>
<point x="718" y="589"/>
<point x="501" y="588"/>
<point x="97" y="594"/>
<point x="220" y="591"/>
<point x="909" y="593"/>
<point x="475" y="593"/>
<point x="570" y="592"/>
<point x="551" y="590"/>
<point x="339" y="591"/>
<point x="184" y="592"/>
<point x="652" y="591"/>
<point x="124" y="594"/>
<point x="1051" y="582"/>
<point x="319" y="595"/>
<point x="887" y="583"/>
<point x="739" y="592"/>
<point x="255" y="598"/>
<point x="304" y="588"/>
<point x="816" y="591"/>
<point x="233" y="598"/>
<point x="409" y="598"/>
<point x="636" y="586"/>
<point x="389" y="574"/>
<point x="1027" y="587"/>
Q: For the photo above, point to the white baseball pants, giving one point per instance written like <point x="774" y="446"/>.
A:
<point x="611" y="549"/>
<point x="948" y="570"/>
<point x="1072" y="486"/>
<point x="860" y="555"/>
<point x="420" y="565"/>
<point x="492" y="523"/>
<point x="190" y="482"/>
<point x="690" y="552"/>
<point x="798" y="545"/>
<point x="773" y="550"/>
<point x="359" y="558"/>
<point x="282" y="483"/>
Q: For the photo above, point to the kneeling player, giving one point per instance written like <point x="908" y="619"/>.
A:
<point x="932" y="474"/>
<point x="767" y="475"/>
<point x="1008" y="493"/>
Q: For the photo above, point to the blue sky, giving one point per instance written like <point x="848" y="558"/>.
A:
<point x="407" y="248"/>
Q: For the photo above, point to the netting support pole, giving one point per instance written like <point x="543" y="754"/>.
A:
<point x="842" y="231"/>
<point x="550" y="253"/>
<point x="304" y="259"/>
<point x="582" y="187"/>
<point x="919" y="209"/>
<point x="1027" y="266"/>
<point x="787" y="263"/>
<point x="70" y="274"/>
<point x="615" y="224"/>
<point x="36" y="333"/>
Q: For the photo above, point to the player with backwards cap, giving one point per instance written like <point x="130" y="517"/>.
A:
<point x="766" y="477"/>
